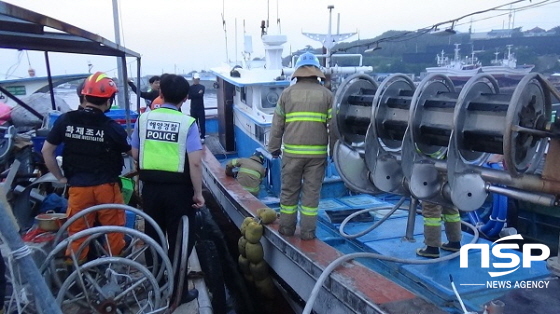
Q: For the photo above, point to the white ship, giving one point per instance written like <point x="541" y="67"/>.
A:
<point x="457" y="67"/>
<point x="507" y="66"/>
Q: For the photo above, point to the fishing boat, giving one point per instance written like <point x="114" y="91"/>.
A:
<point x="24" y="87"/>
<point x="507" y="67"/>
<point x="392" y="138"/>
<point x="456" y="68"/>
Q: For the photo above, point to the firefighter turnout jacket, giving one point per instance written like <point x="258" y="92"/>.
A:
<point x="250" y="173"/>
<point x="301" y="119"/>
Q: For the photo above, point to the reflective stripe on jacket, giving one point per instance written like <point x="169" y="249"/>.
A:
<point x="250" y="173"/>
<point x="301" y="120"/>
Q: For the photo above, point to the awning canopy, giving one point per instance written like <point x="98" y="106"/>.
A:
<point x="24" y="29"/>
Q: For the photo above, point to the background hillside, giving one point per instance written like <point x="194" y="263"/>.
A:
<point x="406" y="52"/>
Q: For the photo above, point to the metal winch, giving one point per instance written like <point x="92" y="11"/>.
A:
<point x="430" y="141"/>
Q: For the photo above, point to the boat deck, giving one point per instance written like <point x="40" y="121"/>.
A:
<point x="407" y="283"/>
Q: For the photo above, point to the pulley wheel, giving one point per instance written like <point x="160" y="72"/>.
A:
<point x="529" y="107"/>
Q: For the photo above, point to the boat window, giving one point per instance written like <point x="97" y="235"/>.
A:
<point x="246" y="95"/>
<point x="261" y="134"/>
<point x="270" y="97"/>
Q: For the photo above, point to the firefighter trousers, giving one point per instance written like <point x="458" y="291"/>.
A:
<point x="301" y="178"/>
<point x="433" y="215"/>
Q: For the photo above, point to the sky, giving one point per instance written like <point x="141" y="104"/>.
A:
<point x="179" y="36"/>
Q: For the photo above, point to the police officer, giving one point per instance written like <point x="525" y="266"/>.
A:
<point x="250" y="172"/>
<point x="166" y="144"/>
<point x="301" y="121"/>
<point x="92" y="160"/>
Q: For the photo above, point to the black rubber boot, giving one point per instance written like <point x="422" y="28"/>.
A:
<point x="428" y="251"/>
<point x="451" y="246"/>
<point x="287" y="224"/>
<point x="189" y="295"/>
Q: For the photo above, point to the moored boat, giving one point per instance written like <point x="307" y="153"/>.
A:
<point x="507" y="67"/>
<point x="23" y="87"/>
<point x="456" y="68"/>
<point x="391" y="140"/>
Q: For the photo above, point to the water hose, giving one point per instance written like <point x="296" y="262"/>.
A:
<point x="377" y="224"/>
<point x="339" y="261"/>
<point x="498" y="217"/>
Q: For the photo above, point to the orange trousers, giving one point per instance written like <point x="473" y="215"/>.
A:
<point x="80" y="198"/>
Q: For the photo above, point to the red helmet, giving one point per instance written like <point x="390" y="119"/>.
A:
<point x="99" y="85"/>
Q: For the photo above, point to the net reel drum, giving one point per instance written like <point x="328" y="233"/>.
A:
<point x="351" y="117"/>
<point x="385" y="134"/>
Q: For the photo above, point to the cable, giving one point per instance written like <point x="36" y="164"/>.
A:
<point x="14" y="66"/>
<point x="457" y="295"/>
<point x="425" y="30"/>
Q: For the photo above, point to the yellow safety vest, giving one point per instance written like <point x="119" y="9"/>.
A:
<point x="163" y="139"/>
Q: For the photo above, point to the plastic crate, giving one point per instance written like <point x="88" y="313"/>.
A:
<point x="51" y="118"/>
<point x="119" y="115"/>
<point x="127" y="189"/>
<point x="130" y="221"/>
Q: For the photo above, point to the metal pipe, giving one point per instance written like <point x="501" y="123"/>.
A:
<point x="328" y="42"/>
<point x="29" y="270"/>
<point x="528" y="182"/>
<point x="336" y="70"/>
<point x="539" y="133"/>
<point x="120" y="70"/>
<point x="409" y="236"/>
<point x="49" y="78"/>
<point x="539" y="199"/>
<point x="126" y="95"/>
<point x="138" y="84"/>
<point x="326" y="55"/>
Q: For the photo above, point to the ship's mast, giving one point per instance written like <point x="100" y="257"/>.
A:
<point x="329" y="40"/>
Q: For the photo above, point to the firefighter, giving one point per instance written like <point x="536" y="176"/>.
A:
<point x="300" y="125"/>
<point x="92" y="155"/>
<point x="250" y="172"/>
<point x="433" y="215"/>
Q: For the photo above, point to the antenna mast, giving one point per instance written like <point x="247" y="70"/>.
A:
<point x="329" y="40"/>
<point x="224" y="26"/>
<point x="278" y="19"/>
<point x="236" y="51"/>
<point x="267" y="15"/>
